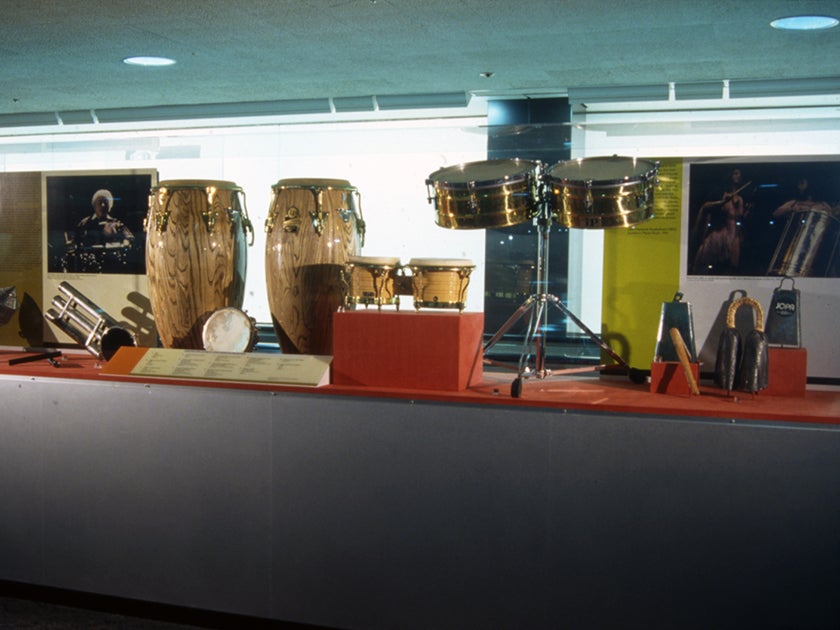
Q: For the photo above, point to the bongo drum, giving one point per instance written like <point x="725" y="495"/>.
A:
<point x="440" y="282"/>
<point x="601" y="192"/>
<point x="371" y="280"/>
<point x="229" y="330"/>
<point x="312" y="228"/>
<point x="492" y="193"/>
<point x="196" y="256"/>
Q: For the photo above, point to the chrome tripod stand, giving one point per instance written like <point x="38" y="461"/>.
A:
<point x="536" y="308"/>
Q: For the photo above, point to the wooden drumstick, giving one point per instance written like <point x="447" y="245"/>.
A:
<point x="682" y="353"/>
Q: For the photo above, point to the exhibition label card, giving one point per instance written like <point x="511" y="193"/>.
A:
<point x="280" y="369"/>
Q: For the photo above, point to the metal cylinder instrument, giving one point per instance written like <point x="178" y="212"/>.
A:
<point x="86" y="323"/>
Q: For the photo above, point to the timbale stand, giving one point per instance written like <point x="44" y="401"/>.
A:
<point x="536" y="308"/>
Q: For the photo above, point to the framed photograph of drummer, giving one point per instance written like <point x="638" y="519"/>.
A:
<point x="95" y="222"/>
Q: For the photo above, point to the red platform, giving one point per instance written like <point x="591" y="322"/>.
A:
<point x="590" y="393"/>
<point x="787" y="371"/>
<point x="668" y="377"/>
<point x="439" y="350"/>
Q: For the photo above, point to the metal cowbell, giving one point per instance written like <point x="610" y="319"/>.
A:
<point x="675" y="314"/>
<point x="784" y="325"/>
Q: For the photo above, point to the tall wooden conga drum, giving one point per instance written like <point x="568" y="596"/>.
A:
<point x="196" y="255"/>
<point x="312" y="228"/>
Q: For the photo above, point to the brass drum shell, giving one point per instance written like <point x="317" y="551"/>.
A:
<point x="601" y="192"/>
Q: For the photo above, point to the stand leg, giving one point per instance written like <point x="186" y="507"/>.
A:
<point x="535" y="337"/>
<point x="565" y="310"/>
<point x="517" y="315"/>
<point x="536" y="306"/>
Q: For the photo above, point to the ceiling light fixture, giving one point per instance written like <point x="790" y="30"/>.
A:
<point x="148" y="61"/>
<point x="805" y="22"/>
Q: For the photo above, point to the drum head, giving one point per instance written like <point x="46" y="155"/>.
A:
<point x="228" y="330"/>
<point x="605" y="171"/>
<point x="196" y="183"/>
<point x="316" y="183"/>
<point x="478" y="174"/>
<point x="441" y="263"/>
<point x="373" y="261"/>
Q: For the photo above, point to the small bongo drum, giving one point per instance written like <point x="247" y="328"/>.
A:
<point x="440" y="282"/>
<point x="370" y="280"/>
<point x="229" y="330"/>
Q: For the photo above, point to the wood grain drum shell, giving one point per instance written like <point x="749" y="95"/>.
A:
<point x="312" y="229"/>
<point x="371" y="280"/>
<point x="196" y="256"/>
<point x="440" y="282"/>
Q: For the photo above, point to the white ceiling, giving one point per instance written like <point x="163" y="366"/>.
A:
<point x="66" y="56"/>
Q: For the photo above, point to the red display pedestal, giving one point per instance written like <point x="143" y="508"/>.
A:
<point x="440" y="350"/>
<point x="787" y="371"/>
<point x="668" y="377"/>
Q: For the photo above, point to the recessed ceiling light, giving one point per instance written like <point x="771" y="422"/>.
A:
<point x="805" y="22"/>
<point x="148" y="61"/>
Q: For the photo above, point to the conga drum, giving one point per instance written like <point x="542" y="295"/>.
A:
<point x="196" y="256"/>
<point x="601" y="192"/>
<point x="312" y="228"/>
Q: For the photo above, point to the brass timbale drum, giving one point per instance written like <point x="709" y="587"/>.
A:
<point x="229" y="330"/>
<point x="601" y="192"/>
<point x="196" y="255"/>
<point x="488" y="194"/>
<point x="312" y="229"/>
<point x="440" y="282"/>
<point x="370" y="280"/>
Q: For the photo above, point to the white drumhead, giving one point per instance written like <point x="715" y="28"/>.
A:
<point x="228" y="330"/>
<point x="202" y="184"/>
<point x="314" y="183"/>
<point x="374" y="261"/>
<point x="605" y="170"/>
<point x="487" y="172"/>
<point x="453" y="263"/>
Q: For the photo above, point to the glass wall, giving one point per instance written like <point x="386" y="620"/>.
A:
<point x="388" y="156"/>
<point x="388" y="161"/>
<point x="733" y="132"/>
